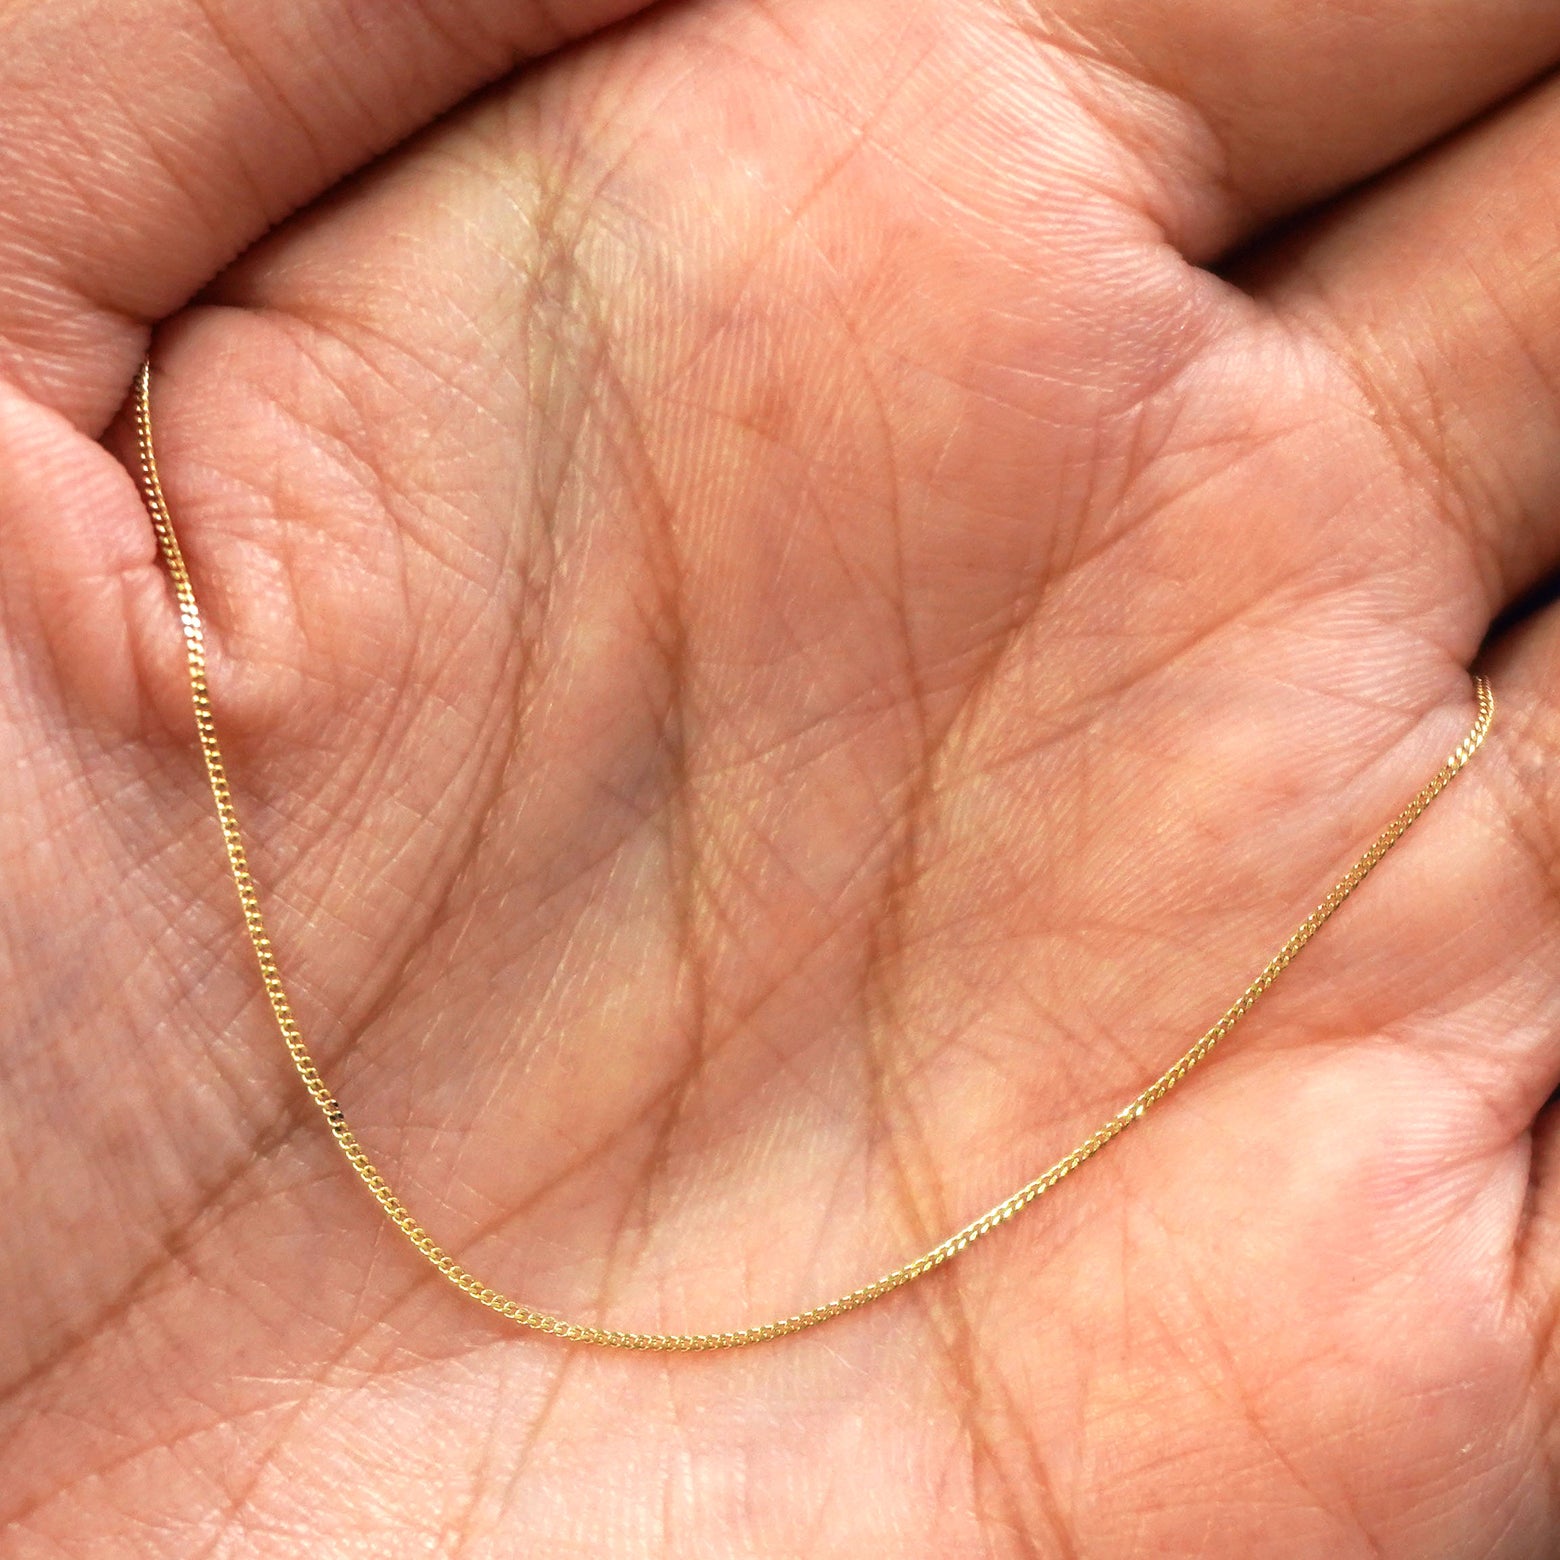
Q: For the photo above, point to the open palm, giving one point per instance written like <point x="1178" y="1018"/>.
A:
<point x="801" y="593"/>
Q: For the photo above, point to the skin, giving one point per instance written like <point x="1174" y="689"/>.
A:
<point x="800" y="595"/>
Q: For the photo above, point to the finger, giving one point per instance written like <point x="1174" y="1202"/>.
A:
<point x="1440" y="293"/>
<point x="1526" y="661"/>
<point x="1289" y="103"/>
<point x="143" y="144"/>
<point x="1526" y="787"/>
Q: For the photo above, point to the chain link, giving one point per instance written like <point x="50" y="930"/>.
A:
<point x="583" y="1332"/>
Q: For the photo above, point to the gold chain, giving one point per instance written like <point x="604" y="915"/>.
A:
<point x="583" y="1332"/>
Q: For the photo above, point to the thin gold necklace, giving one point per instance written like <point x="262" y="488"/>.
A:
<point x="583" y="1332"/>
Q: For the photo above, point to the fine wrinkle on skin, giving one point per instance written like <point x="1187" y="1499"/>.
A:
<point x="990" y="1423"/>
<point x="231" y="1195"/>
<point x="610" y="407"/>
<point x="267" y="85"/>
<point x="1418" y="427"/>
<point x="1183" y="168"/>
<point x="1526" y="791"/>
<point x="1525" y="752"/>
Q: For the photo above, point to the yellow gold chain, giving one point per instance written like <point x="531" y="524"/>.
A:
<point x="581" y="1332"/>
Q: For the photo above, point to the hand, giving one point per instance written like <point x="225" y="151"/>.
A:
<point x="800" y="596"/>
